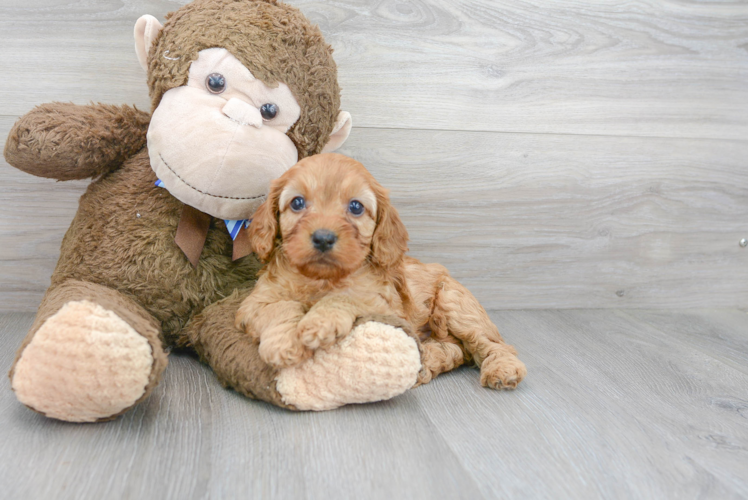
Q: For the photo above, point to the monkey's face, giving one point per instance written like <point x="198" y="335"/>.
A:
<point x="219" y="134"/>
<point x="218" y="141"/>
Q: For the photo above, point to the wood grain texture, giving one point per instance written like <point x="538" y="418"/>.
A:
<point x="620" y="408"/>
<point x="646" y="68"/>
<point x="544" y="219"/>
<point x="525" y="220"/>
<point x="615" y="405"/>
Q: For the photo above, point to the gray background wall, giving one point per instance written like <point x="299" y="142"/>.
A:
<point x="551" y="154"/>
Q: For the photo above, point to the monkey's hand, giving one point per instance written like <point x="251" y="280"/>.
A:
<point x="67" y="141"/>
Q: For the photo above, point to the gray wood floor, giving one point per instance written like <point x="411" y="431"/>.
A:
<point x="617" y="404"/>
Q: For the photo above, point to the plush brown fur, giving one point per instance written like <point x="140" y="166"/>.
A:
<point x="121" y="241"/>
<point x="307" y="297"/>
<point x="275" y="41"/>
<point x="123" y="238"/>
<point x="233" y="356"/>
<point x="64" y="141"/>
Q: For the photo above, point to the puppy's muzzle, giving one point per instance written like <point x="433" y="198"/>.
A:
<point x="324" y="239"/>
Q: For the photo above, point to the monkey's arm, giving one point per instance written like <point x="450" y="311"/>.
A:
<point x="67" y="141"/>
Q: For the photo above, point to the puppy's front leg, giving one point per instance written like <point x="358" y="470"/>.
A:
<point x="275" y="324"/>
<point x="328" y="320"/>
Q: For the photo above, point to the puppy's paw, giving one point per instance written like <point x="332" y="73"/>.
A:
<point x="425" y="376"/>
<point x="502" y="371"/>
<point x="323" y="327"/>
<point x="243" y="320"/>
<point x="436" y="358"/>
<point x="280" y="347"/>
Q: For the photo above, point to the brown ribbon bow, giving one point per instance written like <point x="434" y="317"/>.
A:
<point x="193" y="230"/>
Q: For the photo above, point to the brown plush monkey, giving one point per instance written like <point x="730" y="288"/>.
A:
<point x="240" y="90"/>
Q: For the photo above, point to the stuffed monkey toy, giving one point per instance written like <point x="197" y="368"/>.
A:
<point x="157" y="254"/>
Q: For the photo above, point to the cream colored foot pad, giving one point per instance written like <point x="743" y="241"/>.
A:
<point x="375" y="362"/>
<point x="84" y="363"/>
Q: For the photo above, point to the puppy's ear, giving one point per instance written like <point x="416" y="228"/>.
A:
<point x="264" y="226"/>
<point x="390" y="240"/>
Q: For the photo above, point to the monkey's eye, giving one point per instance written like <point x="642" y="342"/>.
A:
<point x="298" y="204"/>
<point x="268" y="111"/>
<point x="215" y="83"/>
<point x="355" y="208"/>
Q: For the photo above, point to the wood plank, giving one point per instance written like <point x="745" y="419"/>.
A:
<point x="525" y="221"/>
<point x="616" y="405"/>
<point x="543" y="221"/>
<point x="722" y="334"/>
<point x="666" y="69"/>
<point x="65" y="50"/>
<point x="674" y="69"/>
<point x="611" y="408"/>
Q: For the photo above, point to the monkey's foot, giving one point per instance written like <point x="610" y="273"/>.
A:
<point x="84" y="364"/>
<point x="373" y="363"/>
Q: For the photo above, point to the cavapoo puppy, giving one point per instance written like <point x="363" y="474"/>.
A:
<point x="335" y="251"/>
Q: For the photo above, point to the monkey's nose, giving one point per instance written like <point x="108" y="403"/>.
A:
<point x="324" y="239"/>
<point x="242" y="112"/>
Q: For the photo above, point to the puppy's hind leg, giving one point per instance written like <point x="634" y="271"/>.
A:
<point x="439" y="356"/>
<point x="458" y="313"/>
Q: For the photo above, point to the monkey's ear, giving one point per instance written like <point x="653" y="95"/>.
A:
<point x="146" y="29"/>
<point x="340" y="132"/>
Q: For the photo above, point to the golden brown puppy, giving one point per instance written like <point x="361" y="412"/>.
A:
<point x="335" y="249"/>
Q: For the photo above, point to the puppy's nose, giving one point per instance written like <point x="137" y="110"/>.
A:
<point x="324" y="239"/>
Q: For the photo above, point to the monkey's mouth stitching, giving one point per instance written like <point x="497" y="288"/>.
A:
<point x="203" y="192"/>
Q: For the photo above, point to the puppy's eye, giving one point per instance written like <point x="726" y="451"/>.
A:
<point x="356" y="208"/>
<point x="268" y="111"/>
<point x="215" y="83"/>
<point x="298" y="204"/>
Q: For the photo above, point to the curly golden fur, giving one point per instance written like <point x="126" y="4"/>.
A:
<point x="339" y="254"/>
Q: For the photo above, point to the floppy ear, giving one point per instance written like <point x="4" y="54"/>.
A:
<point x="264" y="226"/>
<point x="390" y="240"/>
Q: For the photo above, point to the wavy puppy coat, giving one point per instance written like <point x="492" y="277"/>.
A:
<point x="335" y="251"/>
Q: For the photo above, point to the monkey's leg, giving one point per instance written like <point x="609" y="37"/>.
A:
<point x="90" y="355"/>
<point x="376" y="361"/>
<point x="460" y="314"/>
<point x="232" y="354"/>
